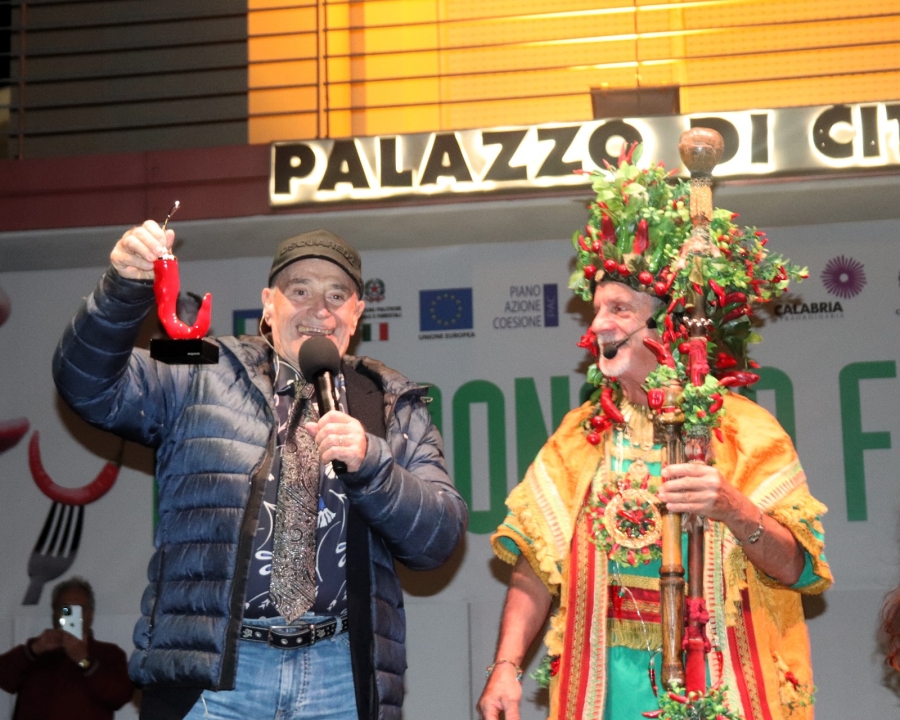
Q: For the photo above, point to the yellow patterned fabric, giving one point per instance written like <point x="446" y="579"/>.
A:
<point x="756" y="622"/>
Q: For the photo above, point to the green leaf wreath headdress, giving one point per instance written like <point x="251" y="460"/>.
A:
<point x="640" y="233"/>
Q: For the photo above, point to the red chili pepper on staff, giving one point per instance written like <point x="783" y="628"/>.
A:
<point x="734" y="297"/>
<point x="736" y="313"/>
<point x="717" y="289"/>
<point x="94" y="490"/>
<point x="716" y="404"/>
<point x="724" y="361"/>
<point x="166" y="285"/>
<point x="699" y="367"/>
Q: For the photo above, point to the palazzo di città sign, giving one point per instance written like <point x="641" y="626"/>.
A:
<point x="757" y="143"/>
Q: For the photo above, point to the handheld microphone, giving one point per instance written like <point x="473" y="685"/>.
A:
<point x="319" y="362"/>
<point x="610" y="350"/>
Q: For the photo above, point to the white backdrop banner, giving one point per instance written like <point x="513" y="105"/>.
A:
<point x="493" y="328"/>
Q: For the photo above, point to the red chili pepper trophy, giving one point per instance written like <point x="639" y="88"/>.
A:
<point x="186" y="345"/>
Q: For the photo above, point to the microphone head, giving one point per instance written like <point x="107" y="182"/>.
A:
<point x="610" y="351"/>
<point x="318" y="354"/>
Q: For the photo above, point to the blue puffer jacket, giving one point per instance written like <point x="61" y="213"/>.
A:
<point x="213" y="430"/>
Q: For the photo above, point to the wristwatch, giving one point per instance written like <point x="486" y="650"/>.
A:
<point x="85" y="664"/>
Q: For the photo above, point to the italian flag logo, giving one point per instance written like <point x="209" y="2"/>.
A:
<point x="374" y="331"/>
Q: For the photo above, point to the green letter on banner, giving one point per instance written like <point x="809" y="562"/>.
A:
<point x="531" y="433"/>
<point x="855" y="440"/>
<point x="774" y="379"/>
<point x="481" y="391"/>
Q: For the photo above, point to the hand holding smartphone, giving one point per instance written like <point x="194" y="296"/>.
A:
<point x="70" y="620"/>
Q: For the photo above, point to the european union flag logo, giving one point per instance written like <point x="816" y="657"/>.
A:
<point x="449" y="309"/>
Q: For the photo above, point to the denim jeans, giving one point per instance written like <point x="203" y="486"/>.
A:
<point x="310" y="683"/>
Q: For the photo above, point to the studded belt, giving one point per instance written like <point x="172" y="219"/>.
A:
<point x="288" y="637"/>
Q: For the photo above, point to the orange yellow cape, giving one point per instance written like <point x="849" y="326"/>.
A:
<point x="755" y="621"/>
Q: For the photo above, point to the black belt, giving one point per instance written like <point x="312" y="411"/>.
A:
<point x="288" y="637"/>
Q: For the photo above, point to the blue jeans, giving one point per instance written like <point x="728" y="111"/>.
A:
<point x="310" y="683"/>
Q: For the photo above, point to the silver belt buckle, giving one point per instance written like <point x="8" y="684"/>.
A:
<point x="291" y="636"/>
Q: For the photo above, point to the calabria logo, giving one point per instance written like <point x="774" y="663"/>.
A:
<point x="844" y="277"/>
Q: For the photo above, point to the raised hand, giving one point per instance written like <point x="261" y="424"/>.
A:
<point x="136" y="251"/>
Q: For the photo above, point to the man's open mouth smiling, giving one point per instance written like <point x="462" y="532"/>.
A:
<point x="304" y="330"/>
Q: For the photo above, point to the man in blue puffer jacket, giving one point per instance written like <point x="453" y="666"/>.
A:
<point x="212" y="640"/>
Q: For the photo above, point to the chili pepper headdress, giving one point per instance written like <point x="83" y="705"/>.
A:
<point x="640" y="233"/>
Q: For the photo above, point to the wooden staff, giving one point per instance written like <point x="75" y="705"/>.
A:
<point x="700" y="149"/>
<point x="668" y="423"/>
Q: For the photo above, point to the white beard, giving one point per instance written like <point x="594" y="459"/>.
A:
<point x="622" y="359"/>
<point x="617" y="366"/>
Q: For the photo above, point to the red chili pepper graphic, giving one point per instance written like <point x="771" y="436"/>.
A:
<point x="11" y="431"/>
<point x="94" y="490"/>
<point x="166" y="285"/>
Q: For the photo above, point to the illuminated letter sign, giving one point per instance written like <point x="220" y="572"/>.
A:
<point x="757" y="143"/>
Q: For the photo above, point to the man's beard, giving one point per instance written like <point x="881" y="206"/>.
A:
<point x="621" y="362"/>
<point x="617" y="366"/>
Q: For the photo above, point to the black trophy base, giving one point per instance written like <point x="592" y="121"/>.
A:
<point x="184" y="352"/>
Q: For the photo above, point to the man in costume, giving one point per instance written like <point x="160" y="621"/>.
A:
<point x="583" y="528"/>
<point x="272" y="591"/>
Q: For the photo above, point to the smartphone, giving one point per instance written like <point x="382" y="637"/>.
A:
<point x="70" y="620"/>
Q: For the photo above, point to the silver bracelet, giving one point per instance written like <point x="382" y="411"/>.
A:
<point x="755" y="535"/>
<point x="490" y="668"/>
